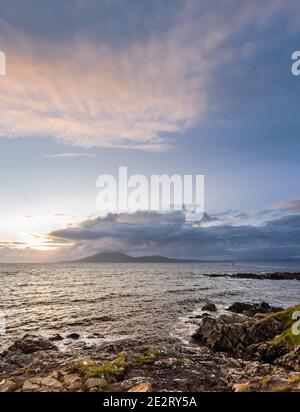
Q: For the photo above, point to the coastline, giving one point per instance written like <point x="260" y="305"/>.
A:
<point x="247" y="349"/>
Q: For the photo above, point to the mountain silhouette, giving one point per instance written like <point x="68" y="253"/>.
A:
<point x="118" y="257"/>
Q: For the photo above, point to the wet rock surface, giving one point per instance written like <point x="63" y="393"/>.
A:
<point x="210" y="307"/>
<point x="30" y="344"/>
<point x="249" y="309"/>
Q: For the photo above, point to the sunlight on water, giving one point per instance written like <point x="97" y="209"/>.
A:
<point x="116" y="301"/>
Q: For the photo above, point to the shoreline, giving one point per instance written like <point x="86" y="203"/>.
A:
<point x="242" y="350"/>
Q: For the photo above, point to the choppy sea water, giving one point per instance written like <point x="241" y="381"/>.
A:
<point x="110" y="302"/>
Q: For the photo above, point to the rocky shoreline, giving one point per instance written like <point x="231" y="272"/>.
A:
<point x="250" y="348"/>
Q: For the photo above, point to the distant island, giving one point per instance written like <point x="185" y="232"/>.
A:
<point x="118" y="257"/>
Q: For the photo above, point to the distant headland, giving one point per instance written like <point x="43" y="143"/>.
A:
<point x="118" y="257"/>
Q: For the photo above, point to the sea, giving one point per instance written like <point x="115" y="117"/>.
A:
<point x="106" y="303"/>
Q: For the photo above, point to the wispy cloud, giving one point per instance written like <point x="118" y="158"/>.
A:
<point x="69" y="155"/>
<point x="63" y="215"/>
<point x="88" y="93"/>
<point x="290" y="205"/>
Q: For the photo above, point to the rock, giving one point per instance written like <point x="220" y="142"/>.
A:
<point x="250" y="309"/>
<point x="235" y="334"/>
<point x="30" y="344"/>
<point x="290" y="360"/>
<point x="210" y="307"/>
<point x="242" y="387"/>
<point x="269" y="351"/>
<point x="75" y="387"/>
<point x="71" y="379"/>
<point x="55" y="375"/>
<point x="94" y="383"/>
<point x="8" y="386"/>
<point x="129" y="383"/>
<point x="143" y="387"/>
<point x="74" y="336"/>
<point x="221" y="334"/>
<point x="30" y="386"/>
<point x="51" y="382"/>
<point x="239" y="307"/>
<point x="265" y="276"/>
<point x="56" y="338"/>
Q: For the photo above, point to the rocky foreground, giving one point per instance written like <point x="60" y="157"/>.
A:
<point x="250" y="348"/>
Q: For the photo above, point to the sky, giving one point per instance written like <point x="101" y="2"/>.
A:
<point x="161" y="87"/>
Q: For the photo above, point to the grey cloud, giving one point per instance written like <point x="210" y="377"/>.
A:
<point x="169" y="234"/>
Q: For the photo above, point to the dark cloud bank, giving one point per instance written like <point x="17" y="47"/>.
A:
<point x="170" y="235"/>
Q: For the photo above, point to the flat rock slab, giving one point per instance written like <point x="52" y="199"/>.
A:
<point x="51" y="382"/>
<point x="94" y="383"/>
<point x="143" y="387"/>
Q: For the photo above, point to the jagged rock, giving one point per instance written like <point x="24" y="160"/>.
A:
<point x="269" y="351"/>
<point x="222" y="334"/>
<point x="290" y="359"/>
<point x="234" y="333"/>
<point x="30" y="344"/>
<point x="210" y="307"/>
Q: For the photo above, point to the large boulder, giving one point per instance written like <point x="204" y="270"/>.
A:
<point x="234" y="334"/>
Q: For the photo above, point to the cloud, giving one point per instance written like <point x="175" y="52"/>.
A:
<point x="89" y="95"/>
<point x="169" y="234"/>
<point x="69" y="155"/>
<point x="12" y="252"/>
<point x="11" y="244"/>
<point x="63" y="215"/>
<point x="88" y="92"/>
<point x="290" y="206"/>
